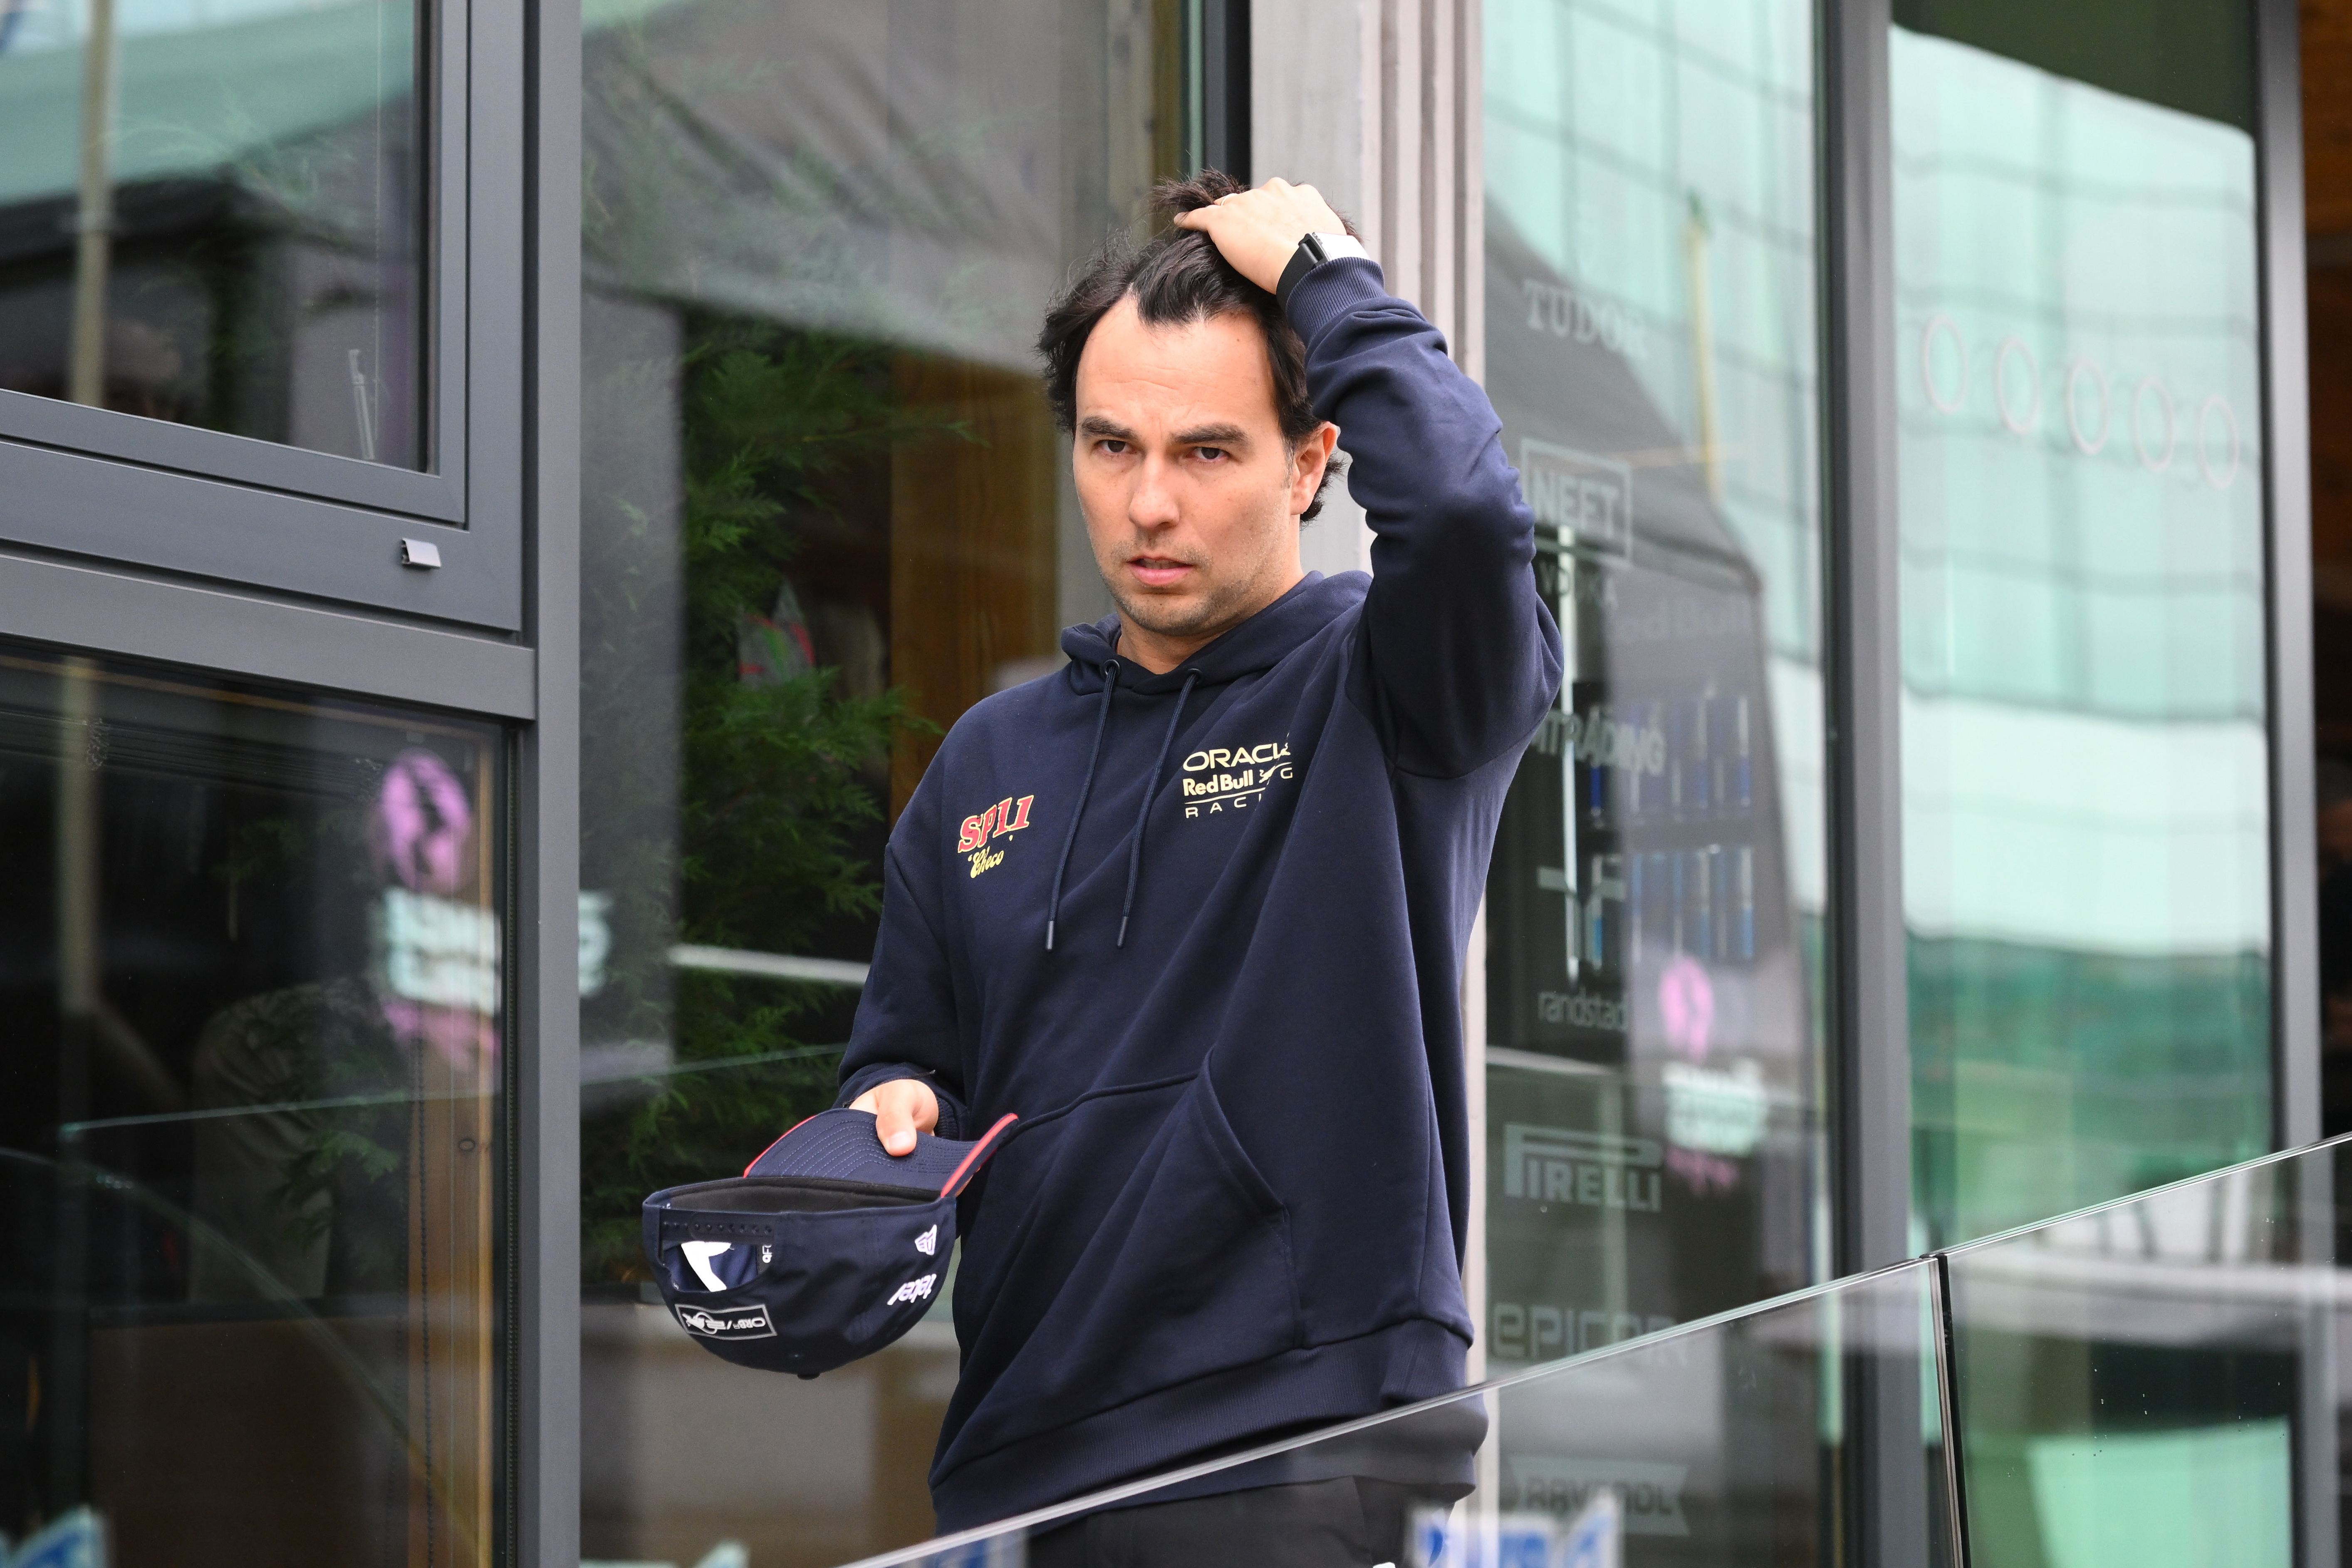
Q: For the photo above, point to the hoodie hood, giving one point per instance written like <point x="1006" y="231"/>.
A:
<point x="1255" y="645"/>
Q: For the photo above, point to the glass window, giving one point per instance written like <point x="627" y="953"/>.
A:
<point x="1655" y="908"/>
<point x="212" y="212"/>
<point x="252" y="1136"/>
<point x="2155" y="1383"/>
<point x="825" y="511"/>
<point x="2086" y="833"/>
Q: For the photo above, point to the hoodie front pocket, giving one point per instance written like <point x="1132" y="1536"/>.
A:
<point x="1147" y="1251"/>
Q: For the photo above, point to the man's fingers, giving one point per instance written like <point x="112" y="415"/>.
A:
<point x="901" y="1108"/>
<point x="894" y="1119"/>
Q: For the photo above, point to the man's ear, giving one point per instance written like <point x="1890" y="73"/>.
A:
<point x="1308" y="462"/>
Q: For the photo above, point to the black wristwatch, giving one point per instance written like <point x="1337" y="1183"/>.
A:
<point x="1313" y="251"/>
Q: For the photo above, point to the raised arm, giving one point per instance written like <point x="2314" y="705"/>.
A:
<point x="1462" y="649"/>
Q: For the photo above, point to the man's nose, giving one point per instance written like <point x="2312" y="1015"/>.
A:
<point x="1153" y="503"/>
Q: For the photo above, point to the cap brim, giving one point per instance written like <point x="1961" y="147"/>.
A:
<point x="843" y="1145"/>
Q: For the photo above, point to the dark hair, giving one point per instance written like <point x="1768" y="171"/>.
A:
<point x="1176" y="277"/>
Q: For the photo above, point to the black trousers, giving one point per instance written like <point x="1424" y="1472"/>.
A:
<point x="1346" y="1523"/>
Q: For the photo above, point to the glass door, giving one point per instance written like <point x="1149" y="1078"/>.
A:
<point x="2086" y="754"/>
<point x="251" y="1140"/>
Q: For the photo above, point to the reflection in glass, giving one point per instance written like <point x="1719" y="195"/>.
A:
<point x="1657" y="892"/>
<point x="824" y="514"/>
<point x="2086" y="785"/>
<point x="212" y="214"/>
<point x="251" y="1142"/>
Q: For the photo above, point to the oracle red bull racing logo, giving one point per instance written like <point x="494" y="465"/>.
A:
<point x="1219" y="779"/>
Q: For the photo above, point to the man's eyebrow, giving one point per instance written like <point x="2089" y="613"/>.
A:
<point x="1199" y="435"/>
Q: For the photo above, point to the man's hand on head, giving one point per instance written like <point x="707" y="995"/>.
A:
<point x="1257" y="230"/>
<point x="901" y="1107"/>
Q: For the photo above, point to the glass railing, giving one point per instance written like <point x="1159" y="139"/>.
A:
<point x="2155" y="1383"/>
<point x="1717" y="1442"/>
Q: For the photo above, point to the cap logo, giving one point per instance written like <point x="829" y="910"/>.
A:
<point x="928" y="1242"/>
<point x="912" y="1290"/>
<point x="727" y="1322"/>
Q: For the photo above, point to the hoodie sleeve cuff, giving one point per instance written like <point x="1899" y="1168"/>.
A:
<point x="1329" y="292"/>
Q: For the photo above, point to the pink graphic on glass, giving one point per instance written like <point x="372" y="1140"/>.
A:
<point x="422" y="831"/>
<point x="1686" y="1002"/>
<point x="422" y="823"/>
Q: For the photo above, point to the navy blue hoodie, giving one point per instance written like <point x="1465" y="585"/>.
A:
<point x="1236" y="1200"/>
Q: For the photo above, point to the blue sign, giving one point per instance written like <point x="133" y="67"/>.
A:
<point x="75" y="1540"/>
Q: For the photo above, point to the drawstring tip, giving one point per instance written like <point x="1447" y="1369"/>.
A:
<point x="1122" y="932"/>
<point x="1049" y="936"/>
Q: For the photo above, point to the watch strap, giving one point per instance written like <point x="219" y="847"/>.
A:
<point x="1314" y="250"/>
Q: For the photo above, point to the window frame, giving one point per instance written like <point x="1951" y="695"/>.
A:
<point x="145" y="492"/>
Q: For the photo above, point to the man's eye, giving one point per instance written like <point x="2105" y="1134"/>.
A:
<point x="1116" y="449"/>
<point x="1212" y="454"/>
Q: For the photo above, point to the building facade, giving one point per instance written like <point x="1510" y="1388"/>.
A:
<point x="502" y="502"/>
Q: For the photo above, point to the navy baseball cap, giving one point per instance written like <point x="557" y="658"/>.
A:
<point x="826" y="1247"/>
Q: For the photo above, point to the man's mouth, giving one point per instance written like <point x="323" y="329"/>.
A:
<point x="1158" y="570"/>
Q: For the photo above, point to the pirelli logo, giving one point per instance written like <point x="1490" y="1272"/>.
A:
<point x="1598" y="1170"/>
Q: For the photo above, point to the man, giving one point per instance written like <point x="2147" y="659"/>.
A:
<point x="1194" y="907"/>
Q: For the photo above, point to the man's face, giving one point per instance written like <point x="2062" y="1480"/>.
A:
<point x="1191" y="494"/>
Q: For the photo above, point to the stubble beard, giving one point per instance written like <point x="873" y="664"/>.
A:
<point x="1186" y="617"/>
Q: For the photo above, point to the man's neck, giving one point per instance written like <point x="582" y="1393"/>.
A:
<point x="1160" y="652"/>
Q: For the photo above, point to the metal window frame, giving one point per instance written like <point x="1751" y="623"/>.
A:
<point x="1869" y="1001"/>
<point x="1226" y="86"/>
<point x="2287" y="482"/>
<point x="2296" y="1025"/>
<point x="544" y="1512"/>
<point x="90" y="482"/>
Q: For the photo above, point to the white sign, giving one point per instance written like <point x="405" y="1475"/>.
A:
<point x="438" y="951"/>
<point x="595" y="940"/>
<point x="1587" y="498"/>
<point x="1714" y="1112"/>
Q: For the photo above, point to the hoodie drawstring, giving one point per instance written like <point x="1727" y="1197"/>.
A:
<point x="1150" y="789"/>
<point x="1086" y="788"/>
